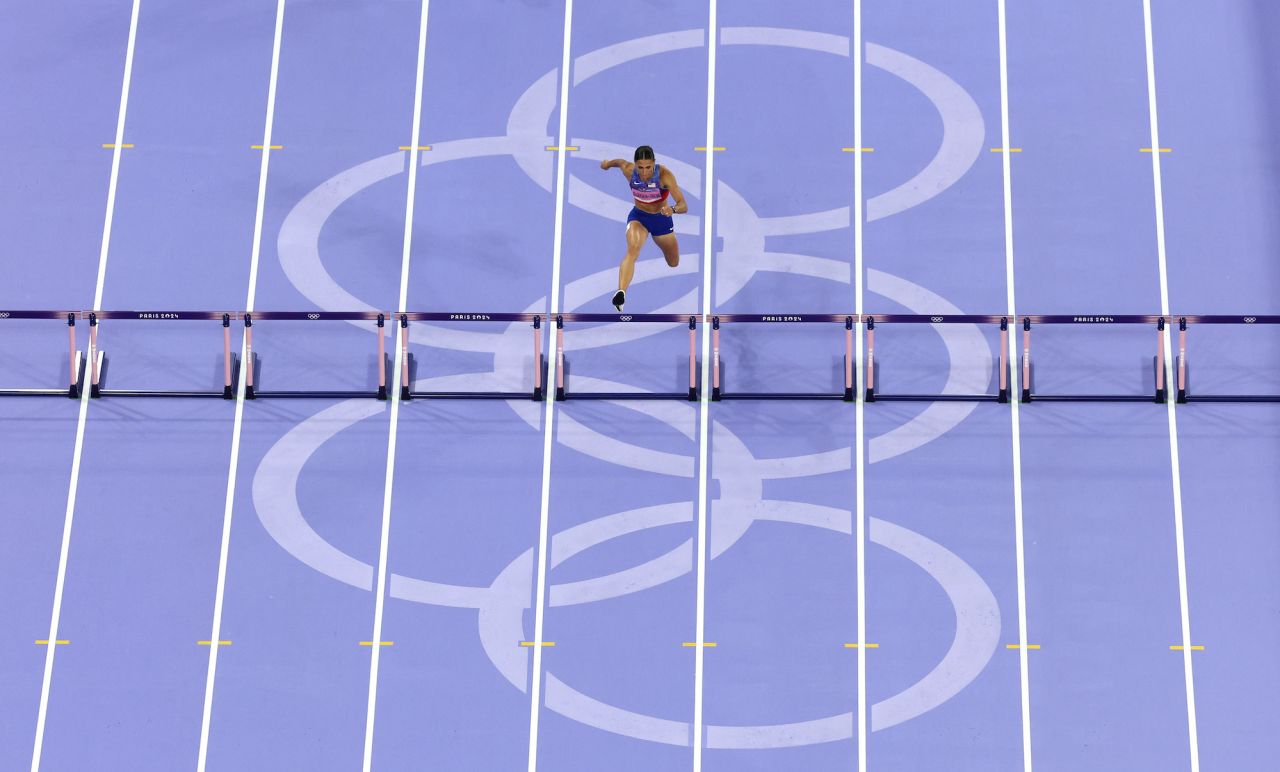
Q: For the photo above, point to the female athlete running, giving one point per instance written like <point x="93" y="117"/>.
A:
<point x="651" y="216"/>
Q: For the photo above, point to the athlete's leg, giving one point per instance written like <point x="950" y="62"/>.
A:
<point x="636" y="235"/>
<point x="670" y="249"/>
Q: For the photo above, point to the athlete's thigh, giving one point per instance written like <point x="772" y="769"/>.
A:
<point x="636" y="234"/>
<point x="667" y="243"/>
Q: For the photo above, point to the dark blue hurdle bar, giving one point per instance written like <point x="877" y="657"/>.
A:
<point x="562" y="364"/>
<point x="407" y="359"/>
<point x="1160" y="394"/>
<point x="251" y="376"/>
<point x="98" y="360"/>
<point x="718" y="392"/>
<point x="1002" y="393"/>
<point x="75" y="368"/>
<point x="1183" y="391"/>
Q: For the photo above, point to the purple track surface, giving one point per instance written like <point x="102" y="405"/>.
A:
<point x="123" y="548"/>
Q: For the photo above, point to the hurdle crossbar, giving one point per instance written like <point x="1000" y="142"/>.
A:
<point x="1160" y="393"/>
<point x="75" y="366"/>
<point x="718" y="390"/>
<point x="563" y="366"/>
<point x="408" y="362"/>
<point x="1002" y="390"/>
<point x="1184" y="394"/>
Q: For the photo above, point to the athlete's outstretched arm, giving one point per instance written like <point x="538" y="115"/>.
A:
<point x="618" y="163"/>
<point x="669" y="182"/>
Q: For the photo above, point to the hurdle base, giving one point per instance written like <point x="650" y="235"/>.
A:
<point x="783" y="395"/>
<point x="563" y="393"/>
<point x="318" y="394"/>
<point x="1159" y="395"/>
<point x="1230" y="398"/>
<point x="1092" y="398"/>
<point x="720" y="393"/>
<point x="877" y="397"/>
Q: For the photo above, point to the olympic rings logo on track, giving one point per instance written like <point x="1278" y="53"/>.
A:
<point x="502" y="604"/>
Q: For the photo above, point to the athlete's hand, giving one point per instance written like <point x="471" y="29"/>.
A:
<point x="604" y="164"/>
<point x="668" y="211"/>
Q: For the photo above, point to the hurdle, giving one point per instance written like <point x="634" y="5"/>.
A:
<point x="720" y="393"/>
<point x="75" y="358"/>
<point x="98" y="360"/>
<point x="253" y="388"/>
<point x="1184" y="394"/>
<point x="1160" y="394"/>
<point x="563" y="366"/>
<point x="88" y="369"/>
<point x="408" y="361"/>
<point x="1002" y="392"/>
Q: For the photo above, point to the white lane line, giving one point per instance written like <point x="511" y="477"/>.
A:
<point x="1183" y="602"/>
<point x="548" y="421"/>
<point x="234" y="464"/>
<point x="1014" y="397"/>
<point x="708" y="244"/>
<point x="379" y="604"/>
<point x="77" y="453"/>
<point x="860" y="509"/>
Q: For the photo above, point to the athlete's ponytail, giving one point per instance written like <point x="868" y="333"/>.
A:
<point x="644" y="153"/>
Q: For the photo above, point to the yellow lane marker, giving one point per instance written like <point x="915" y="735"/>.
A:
<point x="694" y="645"/>
<point x="1179" y="648"/>
<point x="864" y="645"/>
<point x="45" y="642"/>
<point x="380" y="643"/>
<point x="112" y="146"/>
<point x="535" y="643"/>
<point x="1011" y="150"/>
<point x="210" y="643"/>
<point x="1016" y="646"/>
<point x="1162" y="150"/>
<point x="566" y="147"/>
<point x="703" y="149"/>
<point x="266" y="147"/>
<point x="856" y="149"/>
<point x="412" y="147"/>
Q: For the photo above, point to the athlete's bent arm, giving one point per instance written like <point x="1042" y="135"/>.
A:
<point x="618" y="163"/>
<point x="669" y="182"/>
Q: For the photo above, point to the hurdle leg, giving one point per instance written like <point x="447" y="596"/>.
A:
<point x="537" y="359"/>
<point x="405" y="392"/>
<point x="848" y="359"/>
<point x="73" y="389"/>
<point x="382" y="357"/>
<point x="693" y="359"/>
<point x="1160" y="390"/>
<point x="559" y="358"/>
<point x="715" y="359"/>
<point x="228" y="391"/>
<point x="1003" y="394"/>
<point x="95" y="365"/>
<point x="1182" y="360"/>
<point x="870" y="395"/>
<point x="248" y="357"/>
<point x="1026" y="360"/>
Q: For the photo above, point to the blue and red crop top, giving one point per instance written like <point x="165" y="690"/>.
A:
<point x="650" y="191"/>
